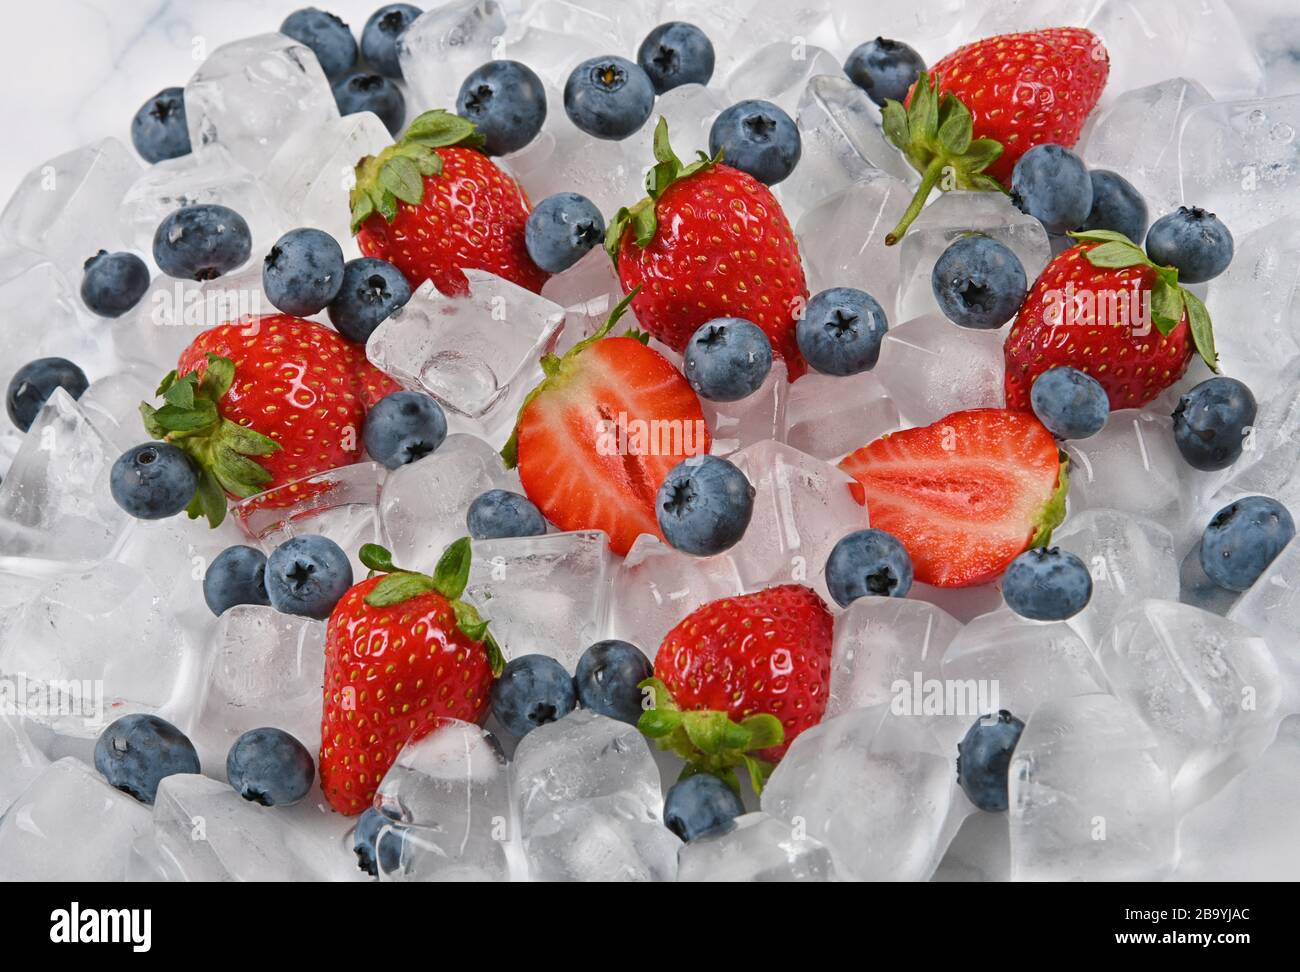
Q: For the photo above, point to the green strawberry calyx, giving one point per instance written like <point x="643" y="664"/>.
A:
<point x="449" y="579"/>
<point x="936" y="134"/>
<point x="709" y="740"/>
<point x="667" y="171"/>
<point x="397" y="174"/>
<point x="1170" y="301"/>
<point x="190" y="419"/>
<point x="1052" y="515"/>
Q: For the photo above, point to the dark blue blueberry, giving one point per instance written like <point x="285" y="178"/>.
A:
<point x="270" y="767"/>
<point x="202" y="242"/>
<point x="307" y="575"/>
<point x="159" y="130"/>
<point x="329" y="38"/>
<point x="365" y="837"/>
<point x="699" y="805"/>
<point x="1047" y="584"/>
<point x="380" y="36"/>
<point x="532" y="691"/>
<point x="978" y="282"/>
<point x="561" y="229"/>
<point x="727" y="359"/>
<point x="135" y="752"/>
<point x="507" y="101"/>
<point x="1116" y="205"/>
<point x="884" y="69"/>
<point x="1192" y="241"/>
<point x="608" y="97"/>
<point x="35" y="382"/>
<point x="237" y="575"/>
<point x="607" y="677"/>
<point x="868" y="563"/>
<point x="153" y="481"/>
<point x="704" y="505"/>
<point x="1196" y="588"/>
<point x="984" y="757"/>
<point x="403" y="427"/>
<point x="113" y="283"/>
<point x="372" y="289"/>
<point x="303" y="272"/>
<point x="374" y="93"/>
<point x="759" y="138"/>
<point x="1069" y="403"/>
<point x="1242" y="539"/>
<point x="676" y="53"/>
<point x="1052" y="184"/>
<point x="1211" y="423"/>
<point x="840" y="331"/>
<point x="501" y="513"/>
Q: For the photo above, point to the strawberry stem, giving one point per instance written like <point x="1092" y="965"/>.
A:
<point x="929" y="180"/>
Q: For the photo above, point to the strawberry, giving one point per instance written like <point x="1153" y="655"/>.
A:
<point x="402" y="654"/>
<point x="739" y="678"/>
<point x="596" y="439"/>
<point x="970" y="118"/>
<point x="1104" y="308"/>
<point x="434" y="204"/>
<point x="709" y="241"/>
<point x="966" y="495"/>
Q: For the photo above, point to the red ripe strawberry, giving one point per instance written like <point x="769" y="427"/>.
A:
<point x="1104" y="308"/>
<point x="433" y="204"/>
<point x="596" y="439"/>
<point x="966" y="495"/>
<point x="970" y="119"/>
<point x="710" y="241"/>
<point x="402" y="654"/>
<point x="742" y="675"/>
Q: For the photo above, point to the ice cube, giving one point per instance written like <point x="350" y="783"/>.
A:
<point x="617" y="25"/>
<point x="828" y="416"/>
<point x="933" y="27"/>
<point x="963" y="603"/>
<point x="1089" y="798"/>
<point x="1271" y="609"/>
<point x="586" y="841"/>
<point x="112" y="404"/>
<point x="1196" y="588"/>
<point x="930" y="368"/>
<point x="755" y="418"/>
<point x="446" y="43"/>
<point x="690" y="110"/>
<point x="587" y="291"/>
<point x="21" y="761"/>
<point x="778" y="72"/>
<point x="981" y="851"/>
<point x="1270" y="460"/>
<point x="1014" y="16"/>
<point x="756" y="848"/>
<point x="543" y="595"/>
<point x="69" y="825"/>
<point x="42" y="313"/>
<point x="802" y="508"/>
<point x="552" y="55"/>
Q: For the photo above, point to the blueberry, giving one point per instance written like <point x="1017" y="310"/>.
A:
<point x="983" y="758"/>
<point x="1211" y="423"/>
<point x="884" y="69"/>
<point x="507" y="101"/>
<point x="1052" y="184"/>
<point x="704" y="505"/>
<point x="374" y="93"/>
<point x="759" y="138"/>
<point x="561" y="229"/>
<point x="608" y="97"/>
<point x="1193" y="242"/>
<point x="1047" y="584"/>
<point x="403" y="427"/>
<point x="367" y="835"/>
<point x="1242" y="539"/>
<point x="607" y="677"/>
<point x="1116" y="205"/>
<point x="501" y="513"/>
<point x="868" y="563"/>
<point x="329" y="38"/>
<point x="840" y="331"/>
<point x="113" y="283"/>
<point x="153" y="481"/>
<point x="136" y="751"/>
<point x="303" y="272"/>
<point x="35" y="382"/>
<point x="699" y="805"/>
<point x="676" y="53"/>
<point x="727" y="359"/>
<point x="381" y="33"/>
<point x="978" y="282"/>
<point x="159" y="130"/>
<point x="532" y="691"/>
<point x="270" y="767"/>
<point x="1069" y="403"/>
<point x="307" y="575"/>
<point x="202" y="242"/>
<point x="237" y="575"/>
<point x="372" y="289"/>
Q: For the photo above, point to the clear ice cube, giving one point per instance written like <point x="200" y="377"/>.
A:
<point x="756" y="848"/>
<point x="690" y="110"/>
<point x="42" y="313"/>
<point x="587" y="291"/>
<point x="779" y="72"/>
<point x="755" y="418"/>
<point x="1270" y="460"/>
<point x="842" y="238"/>
<point x="446" y="43"/>
<point x="21" y="762"/>
<point x="112" y="404"/>
<point x="828" y="417"/>
<point x="552" y="55"/>
<point x="1271" y="609"/>
<point x="586" y="841"/>
<point x="930" y="368"/>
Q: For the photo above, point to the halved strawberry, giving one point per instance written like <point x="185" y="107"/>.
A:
<point x="965" y="495"/>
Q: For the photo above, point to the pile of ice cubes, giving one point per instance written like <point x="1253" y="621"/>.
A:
<point x="1152" y="746"/>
